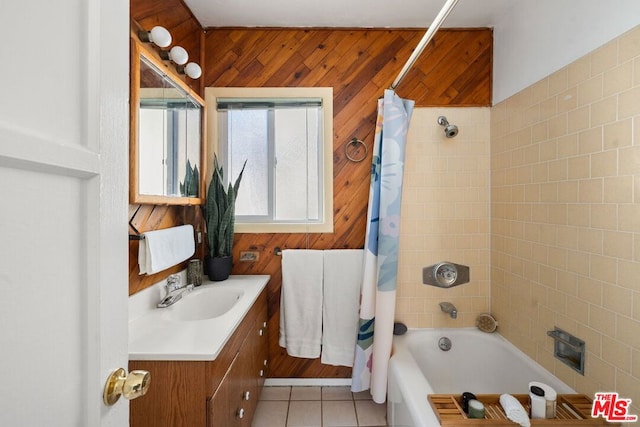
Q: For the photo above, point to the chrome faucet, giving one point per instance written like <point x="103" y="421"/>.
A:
<point x="175" y="290"/>
<point x="447" y="307"/>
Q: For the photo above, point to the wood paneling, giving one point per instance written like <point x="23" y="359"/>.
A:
<point x="155" y="217"/>
<point x="187" y="32"/>
<point x="454" y="70"/>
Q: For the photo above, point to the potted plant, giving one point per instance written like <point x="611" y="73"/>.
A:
<point x="219" y="216"/>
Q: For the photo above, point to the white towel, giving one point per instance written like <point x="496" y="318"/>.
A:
<point x="165" y="248"/>
<point x="301" y="303"/>
<point x="342" y="282"/>
<point x="514" y="410"/>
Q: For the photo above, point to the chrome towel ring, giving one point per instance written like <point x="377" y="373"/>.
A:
<point x="355" y="142"/>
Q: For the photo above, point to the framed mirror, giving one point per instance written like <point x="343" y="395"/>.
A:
<point x="166" y="134"/>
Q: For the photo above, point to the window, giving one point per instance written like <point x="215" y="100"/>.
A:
<point x="285" y="134"/>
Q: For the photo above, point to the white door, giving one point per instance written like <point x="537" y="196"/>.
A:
<point x="63" y="210"/>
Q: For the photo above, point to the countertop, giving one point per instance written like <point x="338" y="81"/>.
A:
<point x="154" y="336"/>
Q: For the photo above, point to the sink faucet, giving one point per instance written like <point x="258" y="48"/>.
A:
<point x="447" y="307"/>
<point x="175" y="290"/>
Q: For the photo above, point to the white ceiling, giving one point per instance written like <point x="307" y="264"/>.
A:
<point x="344" y="13"/>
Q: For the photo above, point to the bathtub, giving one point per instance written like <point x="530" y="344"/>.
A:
<point x="477" y="362"/>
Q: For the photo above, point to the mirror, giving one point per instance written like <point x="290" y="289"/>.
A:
<point x="166" y="135"/>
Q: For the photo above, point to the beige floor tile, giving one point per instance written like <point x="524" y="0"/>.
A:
<point x="336" y="393"/>
<point x="304" y="414"/>
<point x="309" y="406"/>
<point x="271" y="414"/>
<point x="305" y="393"/>
<point x="370" y="413"/>
<point x="362" y="395"/>
<point x="338" y="413"/>
<point x="275" y="393"/>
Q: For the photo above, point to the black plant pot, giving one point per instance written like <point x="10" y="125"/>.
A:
<point x="218" y="268"/>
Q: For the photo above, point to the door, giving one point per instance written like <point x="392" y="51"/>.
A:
<point x="63" y="210"/>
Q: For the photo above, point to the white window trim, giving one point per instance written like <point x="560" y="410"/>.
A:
<point x="326" y="93"/>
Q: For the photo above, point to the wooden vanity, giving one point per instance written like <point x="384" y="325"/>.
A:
<point x="215" y="393"/>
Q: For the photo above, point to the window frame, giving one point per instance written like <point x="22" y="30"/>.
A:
<point x="326" y="94"/>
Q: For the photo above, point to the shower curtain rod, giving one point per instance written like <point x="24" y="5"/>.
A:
<point x="431" y="31"/>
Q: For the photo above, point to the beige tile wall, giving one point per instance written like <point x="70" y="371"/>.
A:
<point x="565" y="216"/>
<point x="445" y="216"/>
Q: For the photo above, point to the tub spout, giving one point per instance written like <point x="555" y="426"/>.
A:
<point x="447" y="307"/>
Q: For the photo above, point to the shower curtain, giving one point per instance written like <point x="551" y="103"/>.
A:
<point x="378" y="295"/>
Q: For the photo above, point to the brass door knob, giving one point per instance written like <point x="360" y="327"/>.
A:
<point x="130" y="386"/>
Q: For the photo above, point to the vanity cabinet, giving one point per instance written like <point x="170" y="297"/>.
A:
<point x="219" y="393"/>
<point x="231" y="403"/>
<point x="236" y="398"/>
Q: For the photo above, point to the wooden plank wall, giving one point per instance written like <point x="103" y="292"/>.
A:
<point x="186" y="32"/>
<point x="454" y="70"/>
<point x="156" y="217"/>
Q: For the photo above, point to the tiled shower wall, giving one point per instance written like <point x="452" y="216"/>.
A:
<point x="565" y="216"/>
<point x="445" y="216"/>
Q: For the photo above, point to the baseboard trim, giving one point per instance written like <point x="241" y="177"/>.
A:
<point x="308" y="382"/>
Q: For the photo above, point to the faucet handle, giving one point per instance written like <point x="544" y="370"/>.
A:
<point x="173" y="282"/>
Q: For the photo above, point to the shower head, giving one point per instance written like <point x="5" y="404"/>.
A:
<point x="450" y="131"/>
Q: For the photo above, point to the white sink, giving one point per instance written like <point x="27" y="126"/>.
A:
<point x="203" y="303"/>
<point x="194" y="328"/>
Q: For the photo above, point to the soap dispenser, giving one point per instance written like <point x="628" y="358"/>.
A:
<point x="549" y="397"/>
<point x="538" y="402"/>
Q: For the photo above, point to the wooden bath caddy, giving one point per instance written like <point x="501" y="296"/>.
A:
<point x="448" y="409"/>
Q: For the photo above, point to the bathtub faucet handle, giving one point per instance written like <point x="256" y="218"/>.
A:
<point x="447" y="307"/>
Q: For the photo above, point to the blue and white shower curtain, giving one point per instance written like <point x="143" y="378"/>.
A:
<point x="378" y="295"/>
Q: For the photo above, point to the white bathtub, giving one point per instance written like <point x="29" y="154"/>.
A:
<point x="477" y="362"/>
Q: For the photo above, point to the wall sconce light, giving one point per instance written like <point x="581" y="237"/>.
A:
<point x="158" y="35"/>
<point x="177" y="54"/>
<point x="161" y="37"/>
<point x="192" y="70"/>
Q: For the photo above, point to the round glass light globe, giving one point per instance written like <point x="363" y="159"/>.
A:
<point x="160" y="36"/>
<point x="179" y="55"/>
<point x="193" y="70"/>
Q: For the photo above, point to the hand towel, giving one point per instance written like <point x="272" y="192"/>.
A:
<point x="341" y="292"/>
<point x="301" y="303"/>
<point x="514" y="410"/>
<point x="165" y="248"/>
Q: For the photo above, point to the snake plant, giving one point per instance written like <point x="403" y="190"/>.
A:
<point x="189" y="187"/>
<point x="220" y="212"/>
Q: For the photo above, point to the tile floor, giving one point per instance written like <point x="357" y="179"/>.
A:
<point x="317" y="407"/>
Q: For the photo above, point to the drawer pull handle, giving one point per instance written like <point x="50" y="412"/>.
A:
<point x="264" y="324"/>
<point x="262" y="372"/>
<point x="247" y="395"/>
<point x="264" y="362"/>
<point x="240" y="413"/>
<point x="261" y="332"/>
